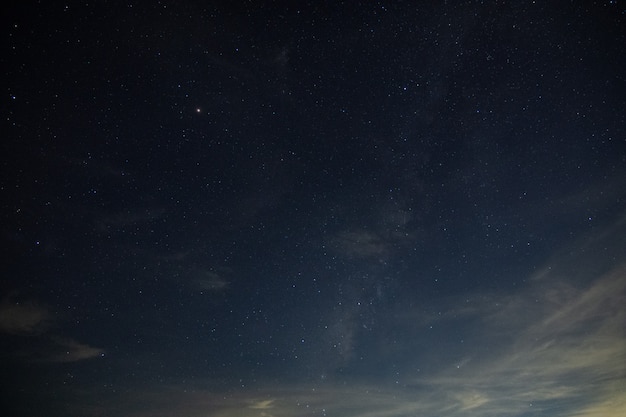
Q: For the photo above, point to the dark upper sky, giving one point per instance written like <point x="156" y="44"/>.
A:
<point x="361" y="209"/>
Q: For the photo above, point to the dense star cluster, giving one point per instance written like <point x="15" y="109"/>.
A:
<point x="338" y="209"/>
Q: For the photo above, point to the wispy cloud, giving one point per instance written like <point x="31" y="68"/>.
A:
<point x="207" y="280"/>
<point x="23" y="317"/>
<point x="28" y="319"/>
<point x="262" y="404"/>
<point x="360" y="244"/>
<point x="70" y="350"/>
<point x="391" y="228"/>
<point x="563" y="350"/>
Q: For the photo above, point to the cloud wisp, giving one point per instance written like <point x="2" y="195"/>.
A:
<point x="566" y="349"/>
<point x="23" y="318"/>
<point x="31" y="321"/>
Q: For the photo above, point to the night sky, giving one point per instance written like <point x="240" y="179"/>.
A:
<point x="333" y="209"/>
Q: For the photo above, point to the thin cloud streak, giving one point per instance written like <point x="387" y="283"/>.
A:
<point x="72" y="351"/>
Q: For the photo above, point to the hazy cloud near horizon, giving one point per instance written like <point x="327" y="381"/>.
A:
<point x="556" y="344"/>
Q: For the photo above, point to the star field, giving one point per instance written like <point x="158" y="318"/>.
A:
<point x="329" y="209"/>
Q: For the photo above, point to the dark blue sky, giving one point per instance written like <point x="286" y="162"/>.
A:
<point x="327" y="209"/>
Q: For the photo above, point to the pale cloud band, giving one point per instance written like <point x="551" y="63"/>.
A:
<point x="554" y="347"/>
<point x="566" y="357"/>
